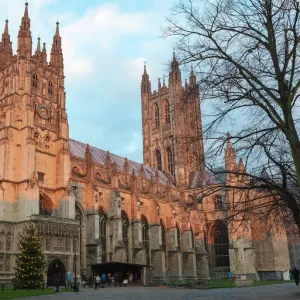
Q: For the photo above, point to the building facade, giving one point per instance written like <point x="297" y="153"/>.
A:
<point x="98" y="207"/>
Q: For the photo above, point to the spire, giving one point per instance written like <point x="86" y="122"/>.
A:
<point x="193" y="78"/>
<point x="57" y="29"/>
<point x="38" y="47"/>
<point x="159" y="84"/>
<point x="6" y="27"/>
<point x="174" y="64"/>
<point x="44" y="53"/>
<point x="24" y="37"/>
<point x="5" y="46"/>
<point x="56" y="58"/>
<point x="145" y="84"/>
<point x="26" y="10"/>
<point x="164" y="81"/>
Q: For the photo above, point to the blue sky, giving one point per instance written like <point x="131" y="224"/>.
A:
<point x="105" y="44"/>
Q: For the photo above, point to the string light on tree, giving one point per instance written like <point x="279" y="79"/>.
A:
<point x="31" y="258"/>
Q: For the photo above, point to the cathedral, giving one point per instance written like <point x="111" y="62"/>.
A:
<point x="97" y="211"/>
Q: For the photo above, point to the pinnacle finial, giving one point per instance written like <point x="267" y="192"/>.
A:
<point x="57" y="28"/>
<point x="26" y="9"/>
<point x="145" y="67"/>
<point x="6" y="27"/>
<point x="192" y="69"/>
<point x="38" y="48"/>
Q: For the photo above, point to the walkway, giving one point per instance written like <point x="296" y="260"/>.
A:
<point x="268" y="292"/>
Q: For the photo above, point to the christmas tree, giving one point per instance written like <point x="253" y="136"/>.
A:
<point x="30" y="262"/>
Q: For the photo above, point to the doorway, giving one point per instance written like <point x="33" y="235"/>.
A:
<point x="56" y="270"/>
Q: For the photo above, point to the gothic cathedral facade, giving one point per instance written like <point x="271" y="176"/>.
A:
<point x="108" y="208"/>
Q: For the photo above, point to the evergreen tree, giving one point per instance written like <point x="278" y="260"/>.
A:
<point x="30" y="262"/>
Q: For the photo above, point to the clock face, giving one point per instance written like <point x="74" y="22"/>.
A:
<point x="44" y="111"/>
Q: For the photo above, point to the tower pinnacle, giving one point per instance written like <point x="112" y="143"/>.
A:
<point x="56" y="58"/>
<point x="5" y="46"/>
<point x="24" y="37"/>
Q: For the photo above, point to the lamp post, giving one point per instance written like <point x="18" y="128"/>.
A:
<point x="75" y="261"/>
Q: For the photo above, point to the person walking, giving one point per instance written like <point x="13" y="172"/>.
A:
<point x="97" y="281"/>
<point x="229" y="274"/>
<point x="69" y="278"/>
<point x="116" y="278"/>
<point x="130" y="278"/>
<point x="83" y="279"/>
<point x="295" y="273"/>
<point x="91" y="281"/>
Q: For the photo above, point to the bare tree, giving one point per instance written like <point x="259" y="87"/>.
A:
<point x="246" y="55"/>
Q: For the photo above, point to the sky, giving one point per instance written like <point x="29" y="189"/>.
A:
<point x="105" y="44"/>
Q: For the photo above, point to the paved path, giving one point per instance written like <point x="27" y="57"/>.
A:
<point x="275" y="292"/>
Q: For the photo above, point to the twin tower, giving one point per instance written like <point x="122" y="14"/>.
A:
<point x="172" y="126"/>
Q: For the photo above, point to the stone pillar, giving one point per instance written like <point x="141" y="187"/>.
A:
<point x="188" y="255"/>
<point x="139" y="253"/>
<point x="241" y="252"/>
<point x="174" y="267"/>
<point x="158" y="260"/>
<point x="202" y="267"/>
<point x="93" y="248"/>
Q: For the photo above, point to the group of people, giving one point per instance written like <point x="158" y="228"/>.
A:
<point x="110" y="279"/>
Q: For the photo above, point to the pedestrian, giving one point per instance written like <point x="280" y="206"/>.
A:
<point x="103" y="279"/>
<point x="91" y="281"/>
<point x="125" y="282"/>
<point x="130" y="278"/>
<point x="116" y="278"/>
<point x="229" y="274"/>
<point x="83" y="279"/>
<point x="97" y="281"/>
<point x="69" y="277"/>
<point x="295" y="273"/>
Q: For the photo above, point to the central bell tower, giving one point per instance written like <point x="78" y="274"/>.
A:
<point x="172" y="126"/>
<point x="34" y="131"/>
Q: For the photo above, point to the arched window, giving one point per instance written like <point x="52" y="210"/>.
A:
<point x="170" y="162"/>
<point x="158" y="159"/>
<point x="102" y="234"/>
<point x="163" y="235"/>
<point x="50" y="87"/>
<point x="36" y="137"/>
<point x="99" y="175"/>
<point x="192" y="238"/>
<point x="46" y="205"/>
<point x="219" y="202"/>
<point x="221" y="245"/>
<point x="145" y="237"/>
<point x="125" y="227"/>
<point x="34" y="80"/>
<point x="156" y="115"/>
<point x="167" y="112"/>
<point x="178" y="237"/>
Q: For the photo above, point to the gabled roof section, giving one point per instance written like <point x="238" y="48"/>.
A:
<point x="77" y="149"/>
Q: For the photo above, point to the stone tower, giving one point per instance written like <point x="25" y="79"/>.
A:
<point x="34" y="132"/>
<point x="172" y="126"/>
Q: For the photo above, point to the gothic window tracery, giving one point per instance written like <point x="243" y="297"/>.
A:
<point x="145" y="237"/>
<point x="1" y="262"/>
<point x="46" y="205"/>
<point x="170" y="162"/>
<point x="34" y="80"/>
<point x="1" y="243"/>
<point x="178" y="237"/>
<point x="158" y="159"/>
<point x="8" y="242"/>
<point x="163" y="235"/>
<point x="192" y="238"/>
<point x="103" y="233"/>
<point x="156" y="115"/>
<point x="125" y="227"/>
<point x="221" y="245"/>
<point x="36" y="138"/>
<point x="219" y="202"/>
<point x="167" y="112"/>
<point x="50" y="87"/>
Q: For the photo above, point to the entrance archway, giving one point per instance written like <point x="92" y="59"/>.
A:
<point x="56" y="269"/>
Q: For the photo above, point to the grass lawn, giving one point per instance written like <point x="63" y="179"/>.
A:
<point x="267" y="282"/>
<point x="11" y="294"/>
